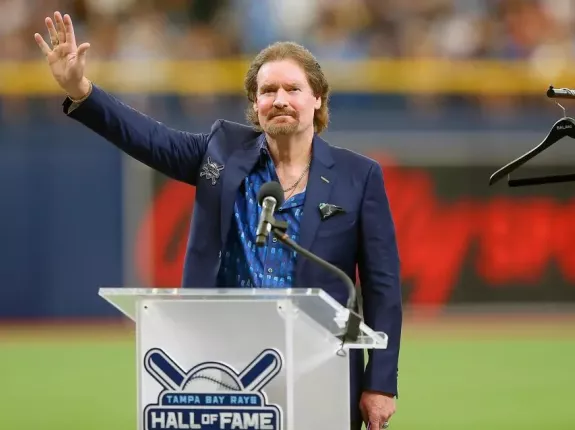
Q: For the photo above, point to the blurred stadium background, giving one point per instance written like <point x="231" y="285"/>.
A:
<point x="442" y="92"/>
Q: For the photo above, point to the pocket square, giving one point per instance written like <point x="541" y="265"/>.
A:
<point x="328" y="210"/>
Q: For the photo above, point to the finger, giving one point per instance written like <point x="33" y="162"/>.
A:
<point x="52" y="31"/>
<point x="375" y="424"/>
<point x="69" y="27"/>
<point x="60" y="27"/>
<point x="82" y="49"/>
<point x="363" y="414"/>
<point x="42" y="44"/>
<point x="386" y="415"/>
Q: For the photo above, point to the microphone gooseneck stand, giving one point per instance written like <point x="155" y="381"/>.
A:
<point x="352" y="331"/>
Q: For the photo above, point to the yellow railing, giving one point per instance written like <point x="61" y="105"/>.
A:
<point x="377" y="76"/>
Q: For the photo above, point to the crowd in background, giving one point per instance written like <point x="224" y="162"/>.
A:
<point x="337" y="29"/>
<point x="529" y="30"/>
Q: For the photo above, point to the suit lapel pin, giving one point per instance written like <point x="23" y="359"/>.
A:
<point x="211" y="171"/>
<point x="328" y="210"/>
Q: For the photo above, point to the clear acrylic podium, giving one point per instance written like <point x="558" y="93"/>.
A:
<point x="240" y="358"/>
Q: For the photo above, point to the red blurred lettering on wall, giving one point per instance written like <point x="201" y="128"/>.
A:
<point x="515" y="245"/>
<point x="510" y="241"/>
<point x="160" y="232"/>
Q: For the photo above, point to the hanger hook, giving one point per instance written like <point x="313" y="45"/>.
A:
<point x="564" y="112"/>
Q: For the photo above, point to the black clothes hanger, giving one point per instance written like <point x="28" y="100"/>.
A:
<point x="565" y="127"/>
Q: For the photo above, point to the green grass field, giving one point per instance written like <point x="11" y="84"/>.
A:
<point x="470" y="375"/>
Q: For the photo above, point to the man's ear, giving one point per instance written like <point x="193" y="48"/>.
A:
<point x="317" y="104"/>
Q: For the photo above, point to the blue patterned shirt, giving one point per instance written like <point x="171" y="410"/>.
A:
<point x="243" y="263"/>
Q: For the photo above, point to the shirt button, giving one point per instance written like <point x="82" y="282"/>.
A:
<point x="275" y="239"/>
<point x="270" y="270"/>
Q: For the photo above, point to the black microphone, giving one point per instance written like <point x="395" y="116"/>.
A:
<point x="270" y="196"/>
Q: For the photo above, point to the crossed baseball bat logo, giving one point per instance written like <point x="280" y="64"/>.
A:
<point x="253" y="378"/>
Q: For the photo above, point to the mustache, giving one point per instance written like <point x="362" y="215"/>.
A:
<point x="278" y="112"/>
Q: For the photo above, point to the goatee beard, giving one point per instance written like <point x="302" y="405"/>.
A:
<point x="281" y="129"/>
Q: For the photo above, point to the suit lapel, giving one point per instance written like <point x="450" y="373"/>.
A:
<point x="239" y="165"/>
<point x="320" y="183"/>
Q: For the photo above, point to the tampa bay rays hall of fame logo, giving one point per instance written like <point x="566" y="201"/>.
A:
<point x="212" y="395"/>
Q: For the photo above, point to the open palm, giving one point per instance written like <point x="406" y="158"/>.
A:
<point x="66" y="60"/>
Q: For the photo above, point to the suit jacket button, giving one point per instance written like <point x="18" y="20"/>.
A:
<point x="220" y="254"/>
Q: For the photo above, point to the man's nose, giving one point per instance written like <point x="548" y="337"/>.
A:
<point x="280" y="101"/>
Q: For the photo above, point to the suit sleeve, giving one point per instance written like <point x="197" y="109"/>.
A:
<point x="177" y="154"/>
<point x="379" y="273"/>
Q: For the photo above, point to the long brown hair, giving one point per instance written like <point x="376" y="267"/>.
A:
<point x="315" y="76"/>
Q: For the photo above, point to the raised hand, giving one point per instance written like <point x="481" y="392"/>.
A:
<point x="66" y="60"/>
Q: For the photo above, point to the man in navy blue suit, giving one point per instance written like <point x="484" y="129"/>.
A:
<point x="335" y="200"/>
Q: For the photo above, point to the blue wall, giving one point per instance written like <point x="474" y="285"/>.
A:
<point x="61" y="220"/>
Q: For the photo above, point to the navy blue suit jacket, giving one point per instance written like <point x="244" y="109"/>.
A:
<point x="364" y="236"/>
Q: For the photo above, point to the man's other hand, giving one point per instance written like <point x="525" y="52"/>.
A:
<point x="376" y="408"/>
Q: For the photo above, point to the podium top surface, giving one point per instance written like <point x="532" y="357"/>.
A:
<point x="215" y="293"/>
<point x="125" y="299"/>
<point x="314" y="302"/>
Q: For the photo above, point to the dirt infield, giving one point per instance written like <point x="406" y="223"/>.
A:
<point x="63" y="330"/>
<point x="506" y="320"/>
<point x="478" y="327"/>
